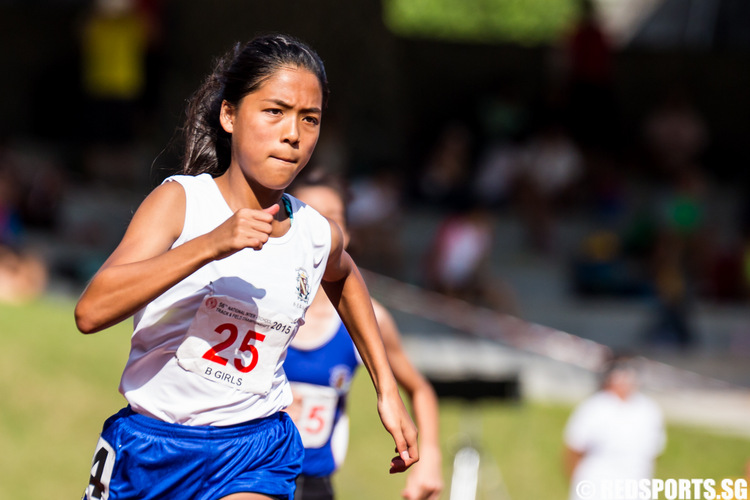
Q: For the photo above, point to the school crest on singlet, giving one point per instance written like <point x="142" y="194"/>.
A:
<point x="303" y="288"/>
<point x="341" y="378"/>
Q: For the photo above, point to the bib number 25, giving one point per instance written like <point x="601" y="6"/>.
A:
<point x="248" y="344"/>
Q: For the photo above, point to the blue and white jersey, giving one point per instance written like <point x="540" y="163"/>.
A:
<point x="321" y="376"/>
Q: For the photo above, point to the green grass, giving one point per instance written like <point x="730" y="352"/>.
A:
<point x="58" y="386"/>
<point x="522" y="441"/>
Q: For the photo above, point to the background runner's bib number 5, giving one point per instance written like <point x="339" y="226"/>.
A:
<point x="317" y="412"/>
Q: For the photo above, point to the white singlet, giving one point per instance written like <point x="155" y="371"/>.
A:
<point x="210" y="350"/>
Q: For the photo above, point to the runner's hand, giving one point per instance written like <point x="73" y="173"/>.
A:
<point x="246" y="228"/>
<point x="398" y="423"/>
<point x="425" y="480"/>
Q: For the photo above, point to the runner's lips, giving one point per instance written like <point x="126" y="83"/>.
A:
<point x="285" y="160"/>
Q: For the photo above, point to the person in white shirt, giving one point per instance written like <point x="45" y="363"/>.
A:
<point x="613" y="437"/>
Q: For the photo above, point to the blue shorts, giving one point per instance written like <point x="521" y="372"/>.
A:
<point x="142" y="458"/>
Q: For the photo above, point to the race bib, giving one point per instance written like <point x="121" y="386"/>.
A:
<point x="234" y="344"/>
<point x="317" y="411"/>
<point x="102" y="467"/>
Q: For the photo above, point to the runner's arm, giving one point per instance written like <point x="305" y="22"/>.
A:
<point x="347" y="291"/>
<point x="144" y="265"/>
<point x="425" y="481"/>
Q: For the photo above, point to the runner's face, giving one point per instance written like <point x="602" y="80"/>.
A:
<point x="275" y="129"/>
<point x="328" y="202"/>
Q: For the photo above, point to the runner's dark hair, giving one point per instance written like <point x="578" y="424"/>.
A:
<point x="241" y="71"/>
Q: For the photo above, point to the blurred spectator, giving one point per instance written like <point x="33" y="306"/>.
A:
<point x="458" y="262"/>
<point x="675" y="134"/>
<point x="497" y="169"/>
<point x="680" y="257"/>
<point x="502" y="114"/>
<point x="43" y="197"/>
<point x="615" y="434"/>
<point x="373" y="211"/>
<point x="10" y="201"/>
<point x="592" y="107"/>
<point x="152" y="14"/>
<point x="503" y="119"/>
<point x="727" y="278"/>
<point x="114" y="46"/>
<point x="23" y="276"/>
<point x="35" y="184"/>
<point x="602" y="267"/>
<point x="114" y="53"/>
<point x="551" y="170"/>
<point x="446" y="173"/>
<point x="608" y="188"/>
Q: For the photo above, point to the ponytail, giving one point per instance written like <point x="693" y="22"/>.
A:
<point x="207" y="144"/>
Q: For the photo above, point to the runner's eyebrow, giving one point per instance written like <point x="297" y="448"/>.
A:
<point x="285" y="105"/>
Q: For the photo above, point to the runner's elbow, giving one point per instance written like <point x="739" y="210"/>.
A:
<point x="86" y="322"/>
